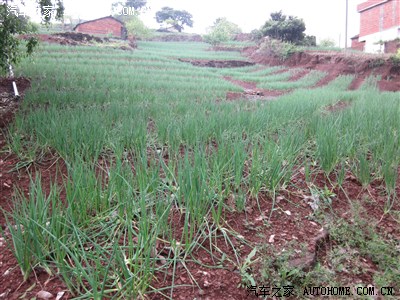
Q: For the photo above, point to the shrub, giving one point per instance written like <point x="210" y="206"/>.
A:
<point x="222" y="31"/>
<point x="327" y="43"/>
<point x="279" y="49"/>
<point x="138" y="29"/>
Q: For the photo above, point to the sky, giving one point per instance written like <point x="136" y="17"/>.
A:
<point x="323" y="18"/>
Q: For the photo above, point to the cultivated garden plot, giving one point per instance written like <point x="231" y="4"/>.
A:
<point x="134" y="175"/>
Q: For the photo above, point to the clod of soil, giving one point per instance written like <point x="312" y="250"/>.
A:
<point x="218" y="63"/>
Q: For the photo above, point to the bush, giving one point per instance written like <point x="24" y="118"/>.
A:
<point x="222" y="31"/>
<point x="256" y="35"/>
<point x="395" y="59"/>
<point x="138" y="29"/>
<point x="327" y="43"/>
<point x="276" y="48"/>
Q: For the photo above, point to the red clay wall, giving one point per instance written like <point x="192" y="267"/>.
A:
<point x="378" y="18"/>
<point x="356" y="45"/>
<point x="392" y="46"/>
<point x="102" y="26"/>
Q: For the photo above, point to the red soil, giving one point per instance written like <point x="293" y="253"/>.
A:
<point x="338" y="63"/>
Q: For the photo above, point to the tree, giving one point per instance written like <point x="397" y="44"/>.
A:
<point x="285" y="28"/>
<point x="327" y="43"/>
<point x="222" y="31"/>
<point x="137" y="28"/>
<point x="14" y="23"/>
<point x="175" y="18"/>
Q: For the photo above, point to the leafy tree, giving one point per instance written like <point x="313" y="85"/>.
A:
<point x="13" y="23"/>
<point x="309" y="41"/>
<point x="222" y="31"/>
<point x="256" y="34"/>
<point x="137" y="28"/>
<point x="175" y="18"/>
<point x="327" y="43"/>
<point x="285" y="28"/>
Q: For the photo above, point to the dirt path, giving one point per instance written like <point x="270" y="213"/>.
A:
<point x="251" y="92"/>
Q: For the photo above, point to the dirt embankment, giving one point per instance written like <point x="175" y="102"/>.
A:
<point x="217" y="63"/>
<point x="336" y="63"/>
<point x="177" y="38"/>
<point x="77" y="38"/>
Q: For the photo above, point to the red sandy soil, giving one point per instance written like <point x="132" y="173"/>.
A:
<point x="338" y="63"/>
<point x="251" y="92"/>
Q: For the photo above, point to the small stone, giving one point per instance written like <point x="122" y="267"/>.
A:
<point x="44" y="295"/>
<point x="5" y="294"/>
<point x="279" y="199"/>
<point x="271" y="238"/>
<point x="60" y="295"/>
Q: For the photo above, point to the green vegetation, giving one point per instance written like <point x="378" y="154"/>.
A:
<point x="137" y="28"/>
<point x="174" y="18"/>
<point x="327" y="43"/>
<point x="12" y="23"/>
<point x="288" y="29"/>
<point x="276" y="48"/>
<point x="221" y="32"/>
<point x="278" y="81"/>
<point x="148" y="143"/>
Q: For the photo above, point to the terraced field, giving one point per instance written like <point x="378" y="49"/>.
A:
<point x="139" y="176"/>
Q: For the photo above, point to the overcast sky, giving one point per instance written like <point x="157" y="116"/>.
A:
<point x="323" y="18"/>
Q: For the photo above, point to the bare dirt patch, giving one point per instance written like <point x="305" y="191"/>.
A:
<point x="358" y="81"/>
<point x="251" y="92"/>
<point x="8" y="102"/>
<point x="218" y="63"/>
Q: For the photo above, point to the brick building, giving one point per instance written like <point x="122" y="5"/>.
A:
<point x="379" y="22"/>
<point x="103" y="26"/>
